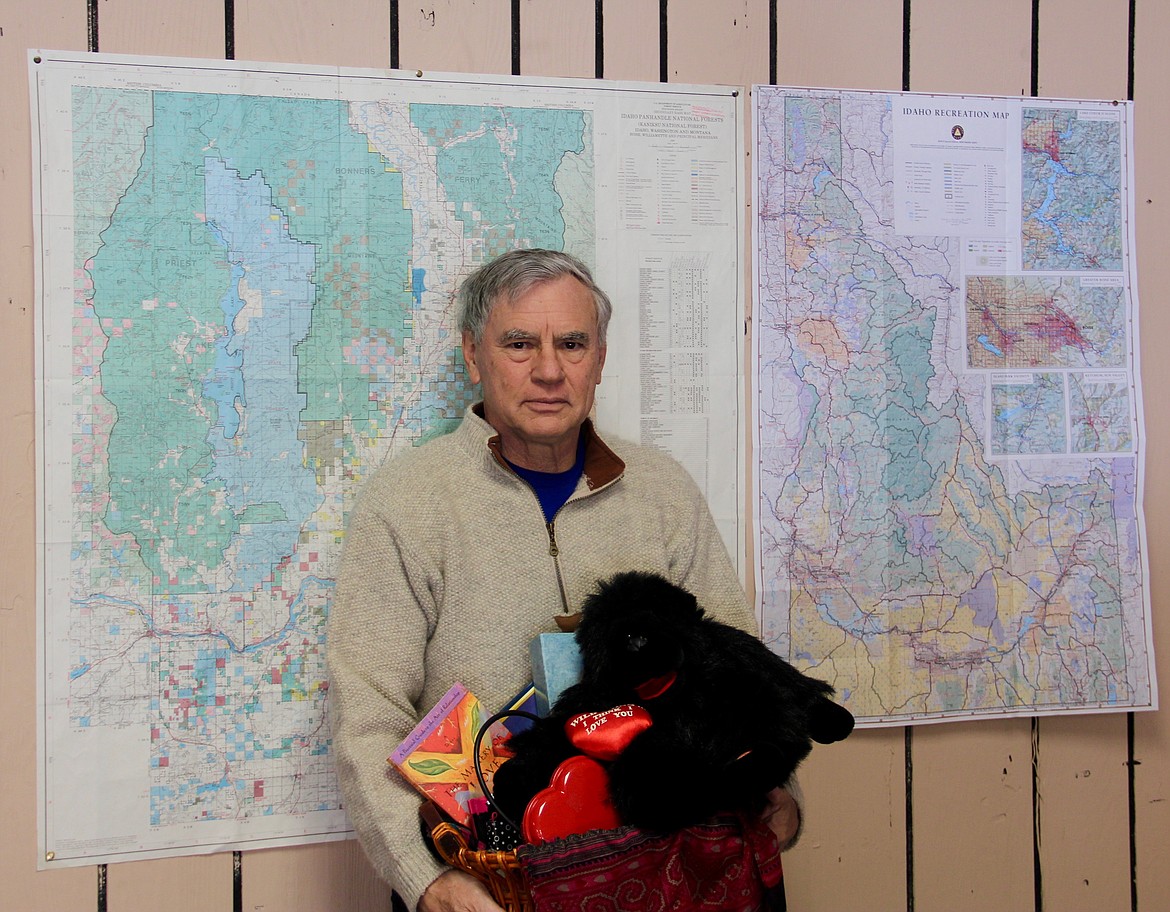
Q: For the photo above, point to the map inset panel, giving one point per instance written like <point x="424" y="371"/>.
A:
<point x="1071" y="207"/>
<point x="1025" y="322"/>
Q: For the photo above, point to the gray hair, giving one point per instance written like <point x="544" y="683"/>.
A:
<point x="511" y="275"/>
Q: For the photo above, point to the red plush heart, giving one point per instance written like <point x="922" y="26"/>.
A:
<point x="604" y="735"/>
<point x="577" y="800"/>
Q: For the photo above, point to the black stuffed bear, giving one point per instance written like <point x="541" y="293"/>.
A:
<point x="730" y="719"/>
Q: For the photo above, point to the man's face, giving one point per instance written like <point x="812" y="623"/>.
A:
<point x="539" y="363"/>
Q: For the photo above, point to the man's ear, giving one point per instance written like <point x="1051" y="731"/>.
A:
<point x="470" y="351"/>
<point x="600" y="364"/>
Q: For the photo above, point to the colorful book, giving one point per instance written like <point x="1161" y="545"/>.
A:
<point x="437" y="756"/>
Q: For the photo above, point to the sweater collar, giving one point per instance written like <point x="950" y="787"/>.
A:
<point x="602" y="465"/>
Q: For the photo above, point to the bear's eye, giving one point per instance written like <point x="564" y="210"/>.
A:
<point x="635" y="642"/>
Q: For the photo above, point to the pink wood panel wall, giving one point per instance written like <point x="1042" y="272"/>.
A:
<point x="984" y="47"/>
<point x="841" y="44"/>
<point x="558" y="39"/>
<point x="354" y="33"/>
<point x="166" y="27"/>
<point x="718" y="42"/>
<point x="631" y="39"/>
<point x="961" y="836"/>
<point x="456" y="36"/>
<point x="1078" y="31"/>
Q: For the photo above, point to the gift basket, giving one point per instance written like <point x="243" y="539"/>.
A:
<point x="678" y="723"/>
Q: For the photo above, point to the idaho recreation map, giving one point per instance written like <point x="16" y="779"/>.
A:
<point x="948" y="433"/>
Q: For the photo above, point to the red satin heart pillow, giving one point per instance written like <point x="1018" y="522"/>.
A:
<point x="577" y="800"/>
<point x="604" y="735"/>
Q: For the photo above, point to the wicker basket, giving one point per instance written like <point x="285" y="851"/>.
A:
<point x="498" y="871"/>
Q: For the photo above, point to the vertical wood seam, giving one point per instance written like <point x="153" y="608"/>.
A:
<point x="229" y="29"/>
<point x="773" y="41"/>
<point x="663" y="71"/>
<point x="1132" y="32"/>
<point x="91" y="18"/>
<point x="394" y="41"/>
<point x="1035" y="48"/>
<point x="599" y="39"/>
<point x="236" y="882"/>
<point x="1037" y="869"/>
<point x="906" y="45"/>
<point x="1131" y="771"/>
<point x="515" y="37"/>
<point x="908" y="745"/>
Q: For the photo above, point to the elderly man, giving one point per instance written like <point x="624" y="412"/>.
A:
<point x="460" y="551"/>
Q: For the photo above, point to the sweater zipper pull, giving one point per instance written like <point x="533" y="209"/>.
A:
<point x="554" y="551"/>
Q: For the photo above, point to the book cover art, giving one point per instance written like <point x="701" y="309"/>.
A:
<point x="437" y="756"/>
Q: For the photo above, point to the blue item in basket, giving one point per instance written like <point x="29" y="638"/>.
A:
<point x="556" y="665"/>
<point x="525" y="701"/>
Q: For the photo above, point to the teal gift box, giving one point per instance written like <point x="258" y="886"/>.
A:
<point x="556" y="665"/>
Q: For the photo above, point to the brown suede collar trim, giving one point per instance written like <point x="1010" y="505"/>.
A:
<point x="602" y="465"/>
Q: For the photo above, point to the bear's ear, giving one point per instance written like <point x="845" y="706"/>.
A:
<point x="678" y="601"/>
<point x="828" y="721"/>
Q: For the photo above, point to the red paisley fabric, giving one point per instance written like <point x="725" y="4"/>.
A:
<point x="729" y="865"/>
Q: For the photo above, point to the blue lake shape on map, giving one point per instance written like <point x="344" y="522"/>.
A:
<point x="986" y="342"/>
<point x="261" y="464"/>
<point x="226" y="384"/>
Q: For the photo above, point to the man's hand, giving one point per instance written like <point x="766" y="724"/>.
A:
<point x="782" y="816"/>
<point x="457" y="891"/>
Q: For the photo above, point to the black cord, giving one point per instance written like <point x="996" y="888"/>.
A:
<point x="502" y="714"/>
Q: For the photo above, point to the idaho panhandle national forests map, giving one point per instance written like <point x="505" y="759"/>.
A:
<point x="245" y="283"/>
<point x="948" y="433"/>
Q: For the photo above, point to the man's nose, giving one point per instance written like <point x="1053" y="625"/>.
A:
<point x="547" y="367"/>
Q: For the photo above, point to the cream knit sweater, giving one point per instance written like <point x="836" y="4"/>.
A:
<point x="446" y="575"/>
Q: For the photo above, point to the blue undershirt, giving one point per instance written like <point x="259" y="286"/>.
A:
<point x="554" y="488"/>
